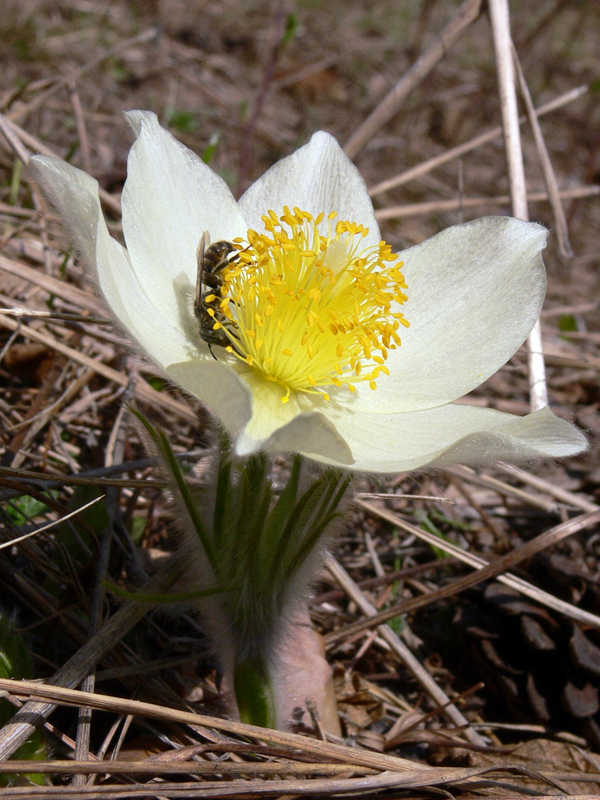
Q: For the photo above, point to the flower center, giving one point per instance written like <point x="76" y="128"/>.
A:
<point x="310" y="311"/>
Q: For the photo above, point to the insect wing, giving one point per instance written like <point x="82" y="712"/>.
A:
<point x="200" y="252"/>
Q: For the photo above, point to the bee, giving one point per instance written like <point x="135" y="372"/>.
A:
<point x="212" y="260"/>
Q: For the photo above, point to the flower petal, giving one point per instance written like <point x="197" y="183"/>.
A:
<point x="452" y="434"/>
<point x="219" y="388"/>
<point x="280" y="427"/>
<point x="475" y="292"/>
<point x="316" y="435"/>
<point x="251" y="410"/>
<point x="75" y="196"/>
<point x="318" y="177"/>
<point x="170" y="198"/>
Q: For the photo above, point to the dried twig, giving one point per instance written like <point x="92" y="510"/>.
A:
<point x="460" y="22"/>
<point x="81" y="130"/>
<point x="485" y="570"/>
<point x="13" y="140"/>
<point x="504" y="489"/>
<point x="22" y="725"/>
<point x="38" y="146"/>
<point x="113" y="454"/>
<point x="562" y="233"/>
<point x="435" y="206"/>
<point x="94" y="479"/>
<point x="279" y="28"/>
<point x="52" y="695"/>
<point x="401" y="650"/>
<point x="563" y="495"/>
<point x="154" y="767"/>
<point x="539" y="543"/>
<point x="17" y="311"/>
<point x="499" y="15"/>
<point x="467" y="147"/>
<point x="66" y="291"/>
<point x="143" y="390"/>
<point x="398" y="773"/>
<point x="49" y="525"/>
<point x="122" y="47"/>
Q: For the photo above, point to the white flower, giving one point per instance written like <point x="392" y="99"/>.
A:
<point x="474" y="293"/>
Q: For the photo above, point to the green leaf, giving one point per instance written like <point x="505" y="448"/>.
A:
<point x="158" y="384"/>
<point x="25" y="508"/>
<point x="168" y="455"/>
<point x="594" y="86"/>
<point x="291" y="28"/>
<point x="211" y="148"/>
<point x="567" y="323"/>
<point x="323" y="517"/>
<point x="183" y="121"/>
<point x="15" y="662"/>
<point x="428" y="525"/>
<point x="292" y="534"/>
<point x="75" y="538"/>
<point x="258" y="525"/>
<point x="222" y="502"/>
<point x="281" y="512"/>
<point x="137" y="529"/>
<point x="226" y="517"/>
<point x="255" y="500"/>
<point x="173" y="597"/>
<point x="62" y="270"/>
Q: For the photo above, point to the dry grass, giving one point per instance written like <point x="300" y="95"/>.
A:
<point x="261" y="77"/>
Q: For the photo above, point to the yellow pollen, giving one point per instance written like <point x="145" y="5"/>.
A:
<point x="301" y="272"/>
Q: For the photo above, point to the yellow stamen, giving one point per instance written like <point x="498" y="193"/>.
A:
<point x="291" y="278"/>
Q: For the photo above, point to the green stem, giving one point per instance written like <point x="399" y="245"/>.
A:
<point x="254" y="693"/>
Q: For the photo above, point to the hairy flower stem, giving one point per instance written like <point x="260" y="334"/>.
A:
<point x="254" y="551"/>
<point x="268" y="547"/>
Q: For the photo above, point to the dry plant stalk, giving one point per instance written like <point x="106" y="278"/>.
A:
<point x="503" y="47"/>
<point x="460" y="22"/>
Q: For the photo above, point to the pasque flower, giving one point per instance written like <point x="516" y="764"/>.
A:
<point x="311" y="335"/>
